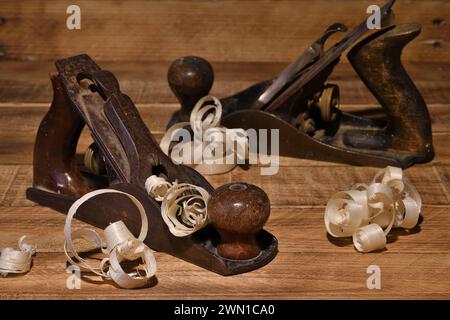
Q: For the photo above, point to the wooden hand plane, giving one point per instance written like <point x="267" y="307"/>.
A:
<point x="305" y="108"/>
<point x="126" y="154"/>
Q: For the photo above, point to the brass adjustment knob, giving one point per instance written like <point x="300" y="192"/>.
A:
<point x="328" y="103"/>
<point x="238" y="211"/>
<point x="93" y="160"/>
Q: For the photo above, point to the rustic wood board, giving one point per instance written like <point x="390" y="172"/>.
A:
<point x="16" y="143"/>
<point x="309" y="264"/>
<point x="146" y="82"/>
<point x="238" y="30"/>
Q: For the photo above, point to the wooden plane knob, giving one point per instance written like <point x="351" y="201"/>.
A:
<point x="238" y="211"/>
<point x="190" y="79"/>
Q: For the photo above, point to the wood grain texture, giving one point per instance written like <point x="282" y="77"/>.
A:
<point x="290" y="276"/>
<point x="307" y="266"/>
<point x="18" y="149"/>
<point x="295" y="185"/>
<point x="311" y="186"/>
<point x="7" y="177"/>
<point x="146" y="82"/>
<point x="247" y="41"/>
<point x="263" y="30"/>
<point x="443" y="173"/>
<point x="16" y="142"/>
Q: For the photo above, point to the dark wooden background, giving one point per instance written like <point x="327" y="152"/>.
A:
<point x="250" y="31"/>
<point x="246" y="41"/>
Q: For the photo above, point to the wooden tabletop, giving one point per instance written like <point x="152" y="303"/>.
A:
<point x="416" y="264"/>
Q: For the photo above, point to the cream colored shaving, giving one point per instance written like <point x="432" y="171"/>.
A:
<point x="208" y="153"/>
<point x="368" y="213"/>
<point x="17" y="261"/>
<point x="183" y="205"/>
<point x="120" y="245"/>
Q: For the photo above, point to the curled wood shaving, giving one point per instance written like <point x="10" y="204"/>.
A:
<point x="120" y="245"/>
<point x="369" y="212"/>
<point x="183" y="205"/>
<point x="211" y="151"/>
<point x="157" y="187"/>
<point x="17" y="261"/>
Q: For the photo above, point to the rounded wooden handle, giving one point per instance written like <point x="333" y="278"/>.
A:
<point x="238" y="211"/>
<point x="190" y="79"/>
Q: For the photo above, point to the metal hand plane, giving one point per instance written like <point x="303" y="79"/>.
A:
<point x="305" y="108"/>
<point x="124" y="154"/>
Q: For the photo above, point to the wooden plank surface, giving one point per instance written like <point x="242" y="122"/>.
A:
<point x="263" y="30"/>
<point x="295" y="185"/>
<point x="309" y="264"/>
<point x="16" y="142"/>
<point x="146" y="82"/>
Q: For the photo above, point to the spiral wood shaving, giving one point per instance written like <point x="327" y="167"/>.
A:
<point x="209" y="153"/>
<point x="369" y="212"/>
<point x="183" y="205"/>
<point x="120" y="245"/>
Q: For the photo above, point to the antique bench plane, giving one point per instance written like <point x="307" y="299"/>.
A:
<point x="123" y="156"/>
<point x="305" y="108"/>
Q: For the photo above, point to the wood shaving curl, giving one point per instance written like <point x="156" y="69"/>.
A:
<point x="120" y="245"/>
<point x="17" y="261"/>
<point x="183" y="205"/>
<point x="369" y="212"/>
<point x="212" y="151"/>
